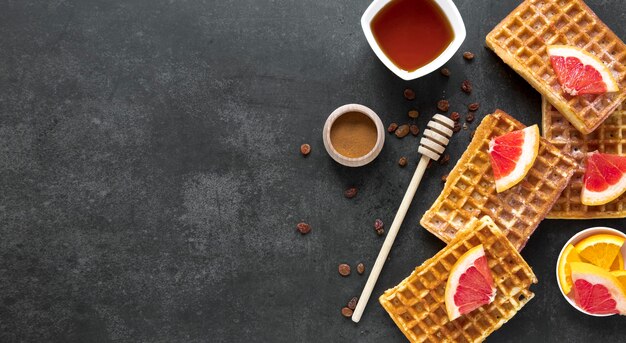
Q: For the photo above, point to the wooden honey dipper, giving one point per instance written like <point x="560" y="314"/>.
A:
<point x="432" y="145"/>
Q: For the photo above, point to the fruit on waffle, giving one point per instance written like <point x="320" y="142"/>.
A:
<point x="512" y="155"/>
<point x="596" y="290"/>
<point x="604" y="180"/>
<point x="610" y="138"/>
<point x="417" y="304"/>
<point x="470" y="188"/>
<point x="522" y="38"/>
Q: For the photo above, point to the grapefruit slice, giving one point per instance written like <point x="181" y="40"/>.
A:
<point x="597" y="291"/>
<point x="470" y="284"/>
<point x="580" y="72"/>
<point x="512" y="155"/>
<point x="600" y="250"/>
<point x="565" y="273"/>
<point x="605" y="178"/>
<point x="621" y="277"/>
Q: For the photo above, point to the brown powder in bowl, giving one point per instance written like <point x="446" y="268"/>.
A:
<point x="353" y="134"/>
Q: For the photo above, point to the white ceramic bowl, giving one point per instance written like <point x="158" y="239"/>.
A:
<point x="358" y="161"/>
<point x="577" y="238"/>
<point x="451" y="13"/>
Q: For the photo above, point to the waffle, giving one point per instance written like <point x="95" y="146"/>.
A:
<point x="470" y="188"/>
<point x="417" y="304"/>
<point x="521" y="40"/>
<point x="610" y="137"/>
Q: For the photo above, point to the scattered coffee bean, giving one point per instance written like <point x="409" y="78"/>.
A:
<point x="402" y="131"/>
<point x="445" y="71"/>
<point x="468" y="55"/>
<point x="444" y="178"/>
<point x="443" y="160"/>
<point x="402" y="161"/>
<point x="409" y="94"/>
<point x="303" y="228"/>
<point x="305" y="149"/>
<point x="344" y="269"/>
<point x="457" y="127"/>
<point x="350" y="192"/>
<point x="466" y="86"/>
<point x="360" y="268"/>
<point x="469" y="117"/>
<point x="443" y="105"/>
<point x="455" y="116"/>
<point x="392" y="127"/>
<point x="415" y="130"/>
<point x="378" y="225"/>
<point x="473" y="106"/>
<point x="413" y="114"/>
<point x="352" y="303"/>
<point x="346" y="312"/>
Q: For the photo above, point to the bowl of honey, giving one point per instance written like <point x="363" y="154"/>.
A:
<point x="413" y="37"/>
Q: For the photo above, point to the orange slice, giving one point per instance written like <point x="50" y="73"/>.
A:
<point x="621" y="277"/>
<point x="618" y="262"/>
<point x="600" y="250"/>
<point x="580" y="72"/>
<point x="605" y="178"/>
<point x="512" y="155"/>
<point x="597" y="291"/>
<point x="565" y="274"/>
<point x="470" y="284"/>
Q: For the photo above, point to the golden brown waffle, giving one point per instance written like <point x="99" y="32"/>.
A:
<point x="610" y="137"/>
<point x="417" y="304"/>
<point x="470" y="188"/>
<point x="521" y="40"/>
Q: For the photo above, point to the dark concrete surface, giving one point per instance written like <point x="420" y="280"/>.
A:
<point x="150" y="178"/>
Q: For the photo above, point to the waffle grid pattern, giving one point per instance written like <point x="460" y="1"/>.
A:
<point x="521" y="40"/>
<point x="470" y="190"/>
<point x="417" y="304"/>
<point x="610" y="137"/>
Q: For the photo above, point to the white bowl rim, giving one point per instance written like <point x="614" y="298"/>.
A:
<point x="451" y="12"/>
<point x="575" y="239"/>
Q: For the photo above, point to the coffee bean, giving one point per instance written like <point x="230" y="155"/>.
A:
<point x="455" y="116"/>
<point x="409" y="94"/>
<point x="445" y="71"/>
<point x="350" y="192"/>
<point x="415" y="130"/>
<point x="346" y="312"/>
<point x="344" y="269"/>
<point x="443" y="160"/>
<point x="469" y="117"/>
<point x="303" y="228"/>
<point x="392" y="127"/>
<point x="378" y="224"/>
<point x="443" y="105"/>
<point x="402" y="161"/>
<point x="457" y="127"/>
<point x="413" y="114"/>
<point x="305" y="149"/>
<point x="466" y="86"/>
<point x="402" y="131"/>
<point x="473" y="106"/>
<point x="360" y="268"/>
<point x="444" y="178"/>
<point x="468" y="55"/>
<point x="352" y="303"/>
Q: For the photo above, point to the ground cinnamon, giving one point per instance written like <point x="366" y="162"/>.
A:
<point x="353" y="134"/>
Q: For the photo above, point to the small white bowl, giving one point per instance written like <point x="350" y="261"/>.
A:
<point x="451" y="13"/>
<point x="577" y="238"/>
<point x="357" y="161"/>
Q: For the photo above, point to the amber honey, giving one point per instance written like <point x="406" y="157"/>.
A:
<point x="412" y="33"/>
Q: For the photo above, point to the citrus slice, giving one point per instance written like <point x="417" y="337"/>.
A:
<point x="580" y="72"/>
<point x="600" y="250"/>
<point x="565" y="273"/>
<point x="597" y="291"/>
<point x="470" y="284"/>
<point x="512" y="155"/>
<point x="621" y="277"/>
<point x="618" y="263"/>
<point x="605" y="178"/>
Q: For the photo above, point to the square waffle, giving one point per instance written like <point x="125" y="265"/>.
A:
<point x="610" y="137"/>
<point x="521" y="40"/>
<point x="470" y="190"/>
<point x="417" y="304"/>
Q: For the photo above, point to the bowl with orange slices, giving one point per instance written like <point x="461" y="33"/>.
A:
<point x="590" y="271"/>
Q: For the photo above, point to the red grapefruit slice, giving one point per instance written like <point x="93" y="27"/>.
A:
<point x="512" y="155"/>
<point x="580" y="72"/>
<point x="597" y="291"/>
<point x="605" y="178"/>
<point x="470" y="284"/>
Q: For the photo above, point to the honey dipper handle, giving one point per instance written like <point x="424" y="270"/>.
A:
<point x="391" y="236"/>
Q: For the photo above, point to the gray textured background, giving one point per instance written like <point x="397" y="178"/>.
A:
<point x="150" y="179"/>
